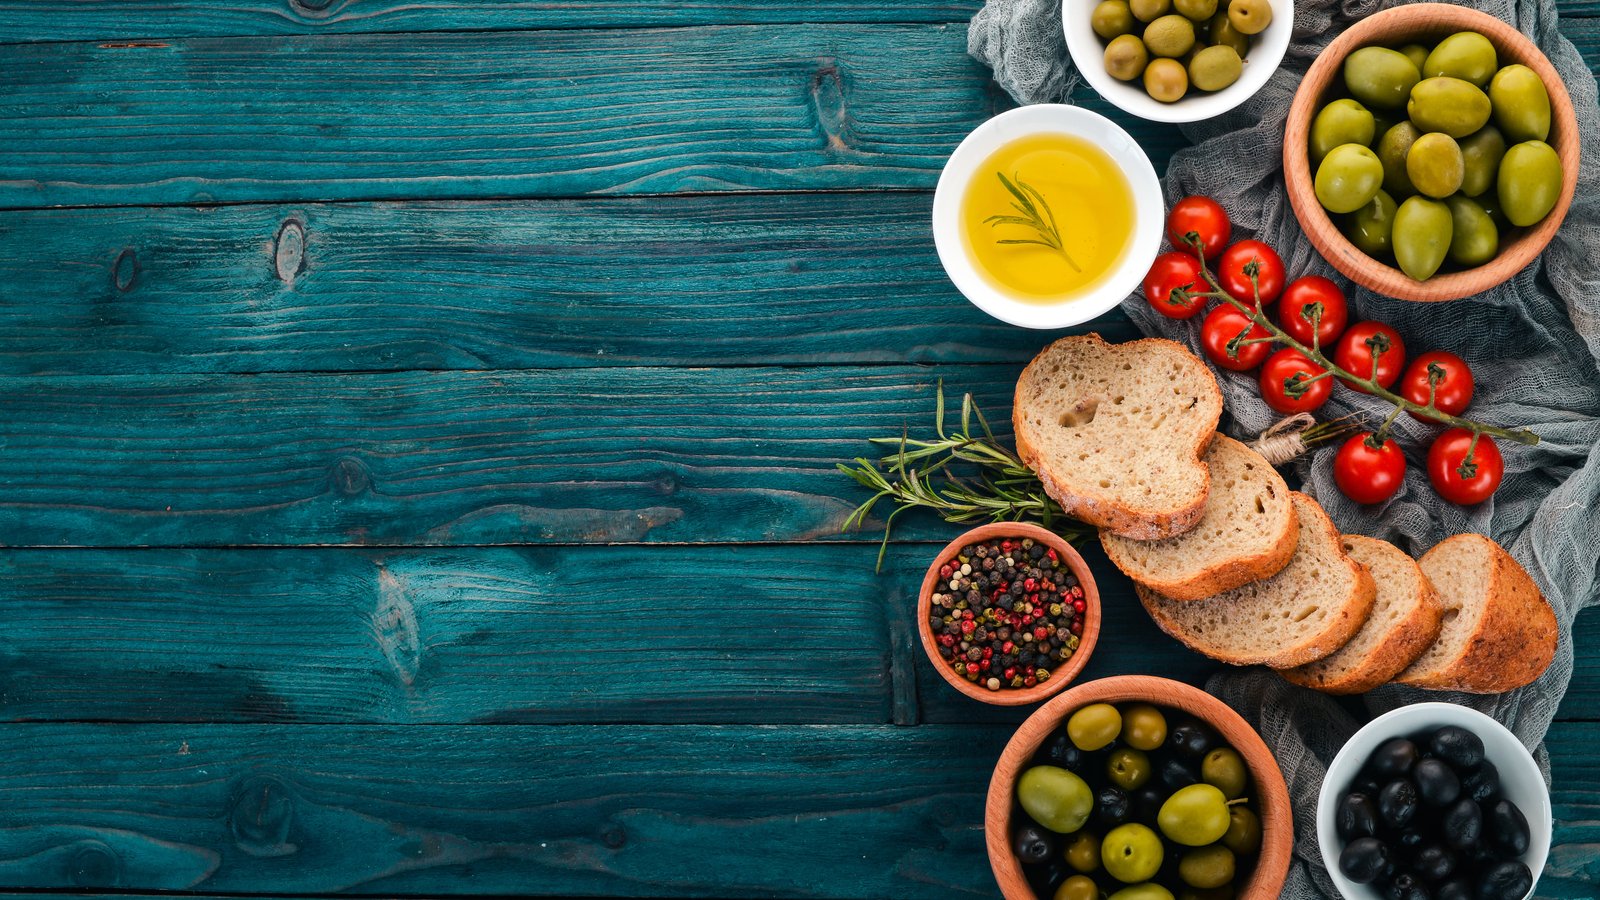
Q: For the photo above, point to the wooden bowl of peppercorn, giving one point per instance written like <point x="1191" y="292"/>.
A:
<point x="1024" y="597"/>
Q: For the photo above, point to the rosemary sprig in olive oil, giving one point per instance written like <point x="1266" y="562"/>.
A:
<point x="1035" y="214"/>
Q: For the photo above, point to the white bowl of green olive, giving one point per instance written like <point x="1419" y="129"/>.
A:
<point x="1177" y="60"/>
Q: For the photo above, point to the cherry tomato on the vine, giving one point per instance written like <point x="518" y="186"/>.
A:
<point x="1358" y="346"/>
<point x="1238" y="261"/>
<point x="1223" y="326"/>
<point x="1203" y="216"/>
<point x="1313" y="292"/>
<point x="1170" y="274"/>
<point x="1457" y="480"/>
<point x="1451" y="394"/>
<point x="1369" y="472"/>
<point x="1284" y="386"/>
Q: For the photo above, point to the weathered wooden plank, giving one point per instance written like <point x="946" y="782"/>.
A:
<point x="765" y="279"/>
<point x="659" y="635"/>
<point x="1573" y="869"/>
<point x="491" y="114"/>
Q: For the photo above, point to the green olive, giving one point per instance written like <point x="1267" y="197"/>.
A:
<point x="1474" y="238"/>
<point x="1371" y="227"/>
<point x="1243" y="836"/>
<point x="1466" y="55"/>
<point x="1207" y="867"/>
<point x="1393" y="148"/>
<point x="1455" y="107"/>
<point x="1224" y="769"/>
<point x="1111" y="18"/>
<point x="1250" y="16"/>
<point x="1194" y="816"/>
<point x="1214" y="68"/>
<point x="1422" y="229"/>
<point x="1417" y="53"/>
<point x="1196" y="10"/>
<point x="1131" y="853"/>
<point x="1348" y="178"/>
<point x="1056" y="798"/>
<point x="1166" y="80"/>
<point x="1529" y="182"/>
<point x="1083" y="854"/>
<point x="1481" y="153"/>
<point x="1146" y="891"/>
<point x="1126" y="57"/>
<point x="1340" y="122"/>
<point x="1094" y="726"/>
<point x="1435" y="165"/>
<point x="1170" y="36"/>
<point x="1521" y="104"/>
<point x="1149" y="10"/>
<point x="1078" y="887"/>
<point x="1490" y="202"/>
<point x="1379" y="77"/>
<point x="1128" y="768"/>
<point x="1382" y="121"/>
<point x="1222" y="33"/>
<point x="1144" y="727"/>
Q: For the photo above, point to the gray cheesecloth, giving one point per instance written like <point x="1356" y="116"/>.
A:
<point x="1532" y="344"/>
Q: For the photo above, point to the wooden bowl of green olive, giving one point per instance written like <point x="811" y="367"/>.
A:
<point x="1431" y="152"/>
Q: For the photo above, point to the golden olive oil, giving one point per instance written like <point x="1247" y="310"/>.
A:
<point x="1047" y="217"/>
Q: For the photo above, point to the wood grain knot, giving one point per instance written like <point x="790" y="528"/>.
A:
<point x="394" y="624"/>
<point x="125" y="270"/>
<point x="615" y="836"/>
<point x="289" y="251"/>
<point x="349" y="476"/>
<point x="828" y="99"/>
<point x="94" y="864"/>
<point x="262" y="817"/>
<point x="313" y="7"/>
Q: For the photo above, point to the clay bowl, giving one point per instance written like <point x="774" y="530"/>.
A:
<point x="1059" y="678"/>
<point x="1392" y="28"/>
<point x="1277" y="820"/>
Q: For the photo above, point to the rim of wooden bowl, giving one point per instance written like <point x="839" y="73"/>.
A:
<point x="1277" y="818"/>
<point x="1395" y="26"/>
<point x="1059" y="678"/>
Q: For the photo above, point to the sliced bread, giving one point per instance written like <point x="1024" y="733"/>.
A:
<point x="1302" y="614"/>
<point x="1248" y="532"/>
<point x="1115" y="432"/>
<point x="1499" y="633"/>
<point x="1405" y="621"/>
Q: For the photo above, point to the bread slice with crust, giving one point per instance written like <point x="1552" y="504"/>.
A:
<point x="1499" y="633"/>
<point x="1405" y="621"/>
<point x="1115" y="432"/>
<point x="1248" y="532"/>
<point x="1302" y="614"/>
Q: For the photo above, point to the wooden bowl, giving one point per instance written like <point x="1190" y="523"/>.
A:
<point x="1277" y="820"/>
<point x="1392" y="28"/>
<point x="1059" y="678"/>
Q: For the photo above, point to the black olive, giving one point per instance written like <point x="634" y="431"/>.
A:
<point x="1437" y="784"/>
<point x="1363" y="859"/>
<point x="1434" y="863"/>
<point x="1483" y="783"/>
<point x="1458" y="747"/>
<point x="1366" y="785"/>
<point x="1145" y="803"/>
<point x="1509" y="880"/>
<point x="1455" y="890"/>
<point x="1190" y="739"/>
<point x="1061" y="751"/>
<point x="1111" y="806"/>
<point x="1508" y="828"/>
<point x="1175" y="774"/>
<point x="1462" y="825"/>
<point x="1406" y="886"/>
<point x="1357" y="817"/>
<point x="1393" y="759"/>
<point x="1397" y="803"/>
<point x="1033" y="844"/>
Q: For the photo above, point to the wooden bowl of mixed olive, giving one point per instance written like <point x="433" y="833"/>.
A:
<point x="1431" y="152"/>
<point x="1138" y="788"/>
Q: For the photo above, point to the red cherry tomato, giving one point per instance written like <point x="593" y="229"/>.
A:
<point x="1221" y="327"/>
<point x="1355" y="351"/>
<point x="1367" y="473"/>
<point x="1204" y="217"/>
<point x="1313" y="291"/>
<point x="1281" y="375"/>
<point x="1459" y="483"/>
<point x="1233" y="272"/>
<point x="1453" y="392"/>
<point x="1170" y="273"/>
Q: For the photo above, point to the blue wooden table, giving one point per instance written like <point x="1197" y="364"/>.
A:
<point x="417" y="445"/>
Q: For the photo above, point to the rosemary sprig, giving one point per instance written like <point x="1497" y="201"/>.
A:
<point x="1036" y="214"/>
<point x="962" y="476"/>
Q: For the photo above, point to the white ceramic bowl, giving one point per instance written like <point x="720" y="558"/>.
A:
<point x="1088" y="54"/>
<point x="1520" y="780"/>
<point x="1047" y="118"/>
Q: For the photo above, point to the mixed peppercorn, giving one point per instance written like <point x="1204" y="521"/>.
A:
<point x="1006" y="613"/>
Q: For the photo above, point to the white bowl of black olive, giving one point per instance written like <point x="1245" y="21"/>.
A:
<point x="1434" y="801"/>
